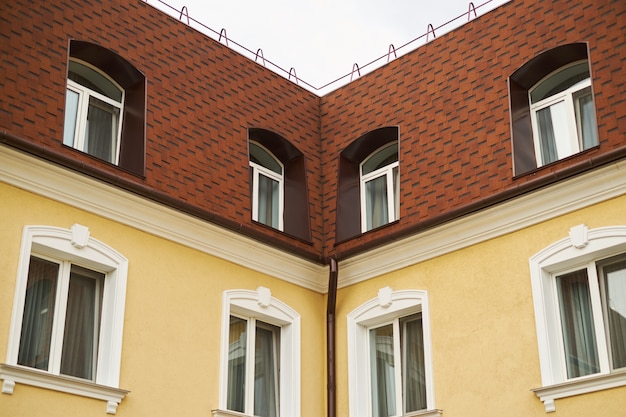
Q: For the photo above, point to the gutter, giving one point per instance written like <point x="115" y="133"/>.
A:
<point x="330" y="338"/>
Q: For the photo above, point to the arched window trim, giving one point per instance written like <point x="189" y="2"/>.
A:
<point x="386" y="307"/>
<point x="73" y="245"/>
<point x="582" y="248"/>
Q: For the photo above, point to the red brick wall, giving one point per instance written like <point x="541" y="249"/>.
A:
<point x="450" y="101"/>
<point x="201" y="99"/>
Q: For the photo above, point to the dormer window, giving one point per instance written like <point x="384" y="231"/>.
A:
<point x="379" y="187"/>
<point x="563" y="115"/>
<point x="93" y="112"/>
<point x="267" y="187"/>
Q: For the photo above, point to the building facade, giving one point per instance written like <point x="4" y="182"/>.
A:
<point x="186" y="232"/>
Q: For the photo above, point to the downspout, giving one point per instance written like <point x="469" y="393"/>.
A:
<point x="330" y="338"/>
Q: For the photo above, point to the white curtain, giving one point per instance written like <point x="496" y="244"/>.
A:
<point x="615" y="286"/>
<point x="36" y="332"/>
<point x="546" y="136"/>
<point x="268" y="201"/>
<point x="579" y="339"/>
<point x="80" y="340"/>
<point x="376" y="207"/>
<point x="587" y="120"/>
<point x="414" y="375"/>
<point x="100" y="135"/>
<point x="237" y="335"/>
<point x="265" y="374"/>
<point x="382" y="365"/>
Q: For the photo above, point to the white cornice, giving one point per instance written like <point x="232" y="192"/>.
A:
<point x="547" y="203"/>
<point x="66" y="186"/>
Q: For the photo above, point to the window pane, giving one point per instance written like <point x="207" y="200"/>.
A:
<point x="71" y="111"/>
<point x="414" y="376"/>
<point x="579" y="339"/>
<point x="268" y="201"/>
<point x="38" y="314"/>
<point x="266" y="371"/>
<point x="261" y="156"/>
<point x="547" y="140"/>
<point x="82" y="323"/>
<point x="586" y="118"/>
<point x="101" y="132"/>
<point x="236" y="364"/>
<point x="381" y="158"/>
<point x="376" y="209"/>
<point x="615" y="300"/>
<point x="382" y="372"/>
<point x="396" y="193"/>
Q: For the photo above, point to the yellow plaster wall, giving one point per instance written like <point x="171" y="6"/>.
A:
<point x="485" y="356"/>
<point x="171" y="342"/>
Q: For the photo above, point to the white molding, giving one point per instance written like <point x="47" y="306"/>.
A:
<point x="373" y="312"/>
<point x="69" y="187"/>
<point x="579" y="386"/>
<point x="273" y="311"/>
<point x="59" y="243"/>
<point x="11" y="374"/>
<point x="532" y="208"/>
<point x="66" y="186"/>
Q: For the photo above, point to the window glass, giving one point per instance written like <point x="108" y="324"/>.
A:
<point x="81" y="309"/>
<point x="614" y="273"/>
<point x="267" y="187"/>
<point x="237" y="339"/>
<point x="263" y="378"/>
<point x="397" y="356"/>
<point x="379" y="187"/>
<point x="588" y="321"/>
<point x="563" y="114"/>
<point x="94" y="105"/>
<point x="36" y="331"/>
<point x="579" y="336"/>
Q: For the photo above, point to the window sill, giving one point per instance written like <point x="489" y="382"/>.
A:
<point x="425" y="413"/>
<point x="10" y="374"/>
<point x="579" y="386"/>
<point x="228" y="413"/>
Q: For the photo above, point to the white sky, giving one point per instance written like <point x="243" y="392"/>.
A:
<point x="323" y="39"/>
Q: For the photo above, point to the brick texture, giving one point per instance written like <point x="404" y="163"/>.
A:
<point x="448" y="97"/>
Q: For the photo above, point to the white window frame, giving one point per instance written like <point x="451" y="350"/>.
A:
<point x="77" y="246"/>
<point x="388" y="306"/>
<point x="260" y="305"/>
<point x="258" y="170"/>
<point x="581" y="248"/>
<point x="84" y="95"/>
<point x="387" y="172"/>
<point x="568" y="128"/>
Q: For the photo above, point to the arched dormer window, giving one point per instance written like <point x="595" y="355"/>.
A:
<point x="278" y="186"/>
<point x="93" y="112"/>
<point x="105" y="112"/>
<point x="563" y="114"/>
<point x="267" y="187"/>
<point x="552" y="109"/>
<point x="368" y="184"/>
<point x="379" y="187"/>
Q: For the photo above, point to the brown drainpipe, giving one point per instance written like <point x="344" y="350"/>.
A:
<point x="330" y="337"/>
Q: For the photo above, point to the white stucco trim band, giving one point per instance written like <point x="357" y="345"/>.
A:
<point x="580" y="386"/>
<point x="12" y="374"/>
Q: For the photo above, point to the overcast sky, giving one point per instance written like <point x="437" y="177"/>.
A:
<point x="323" y="39"/>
